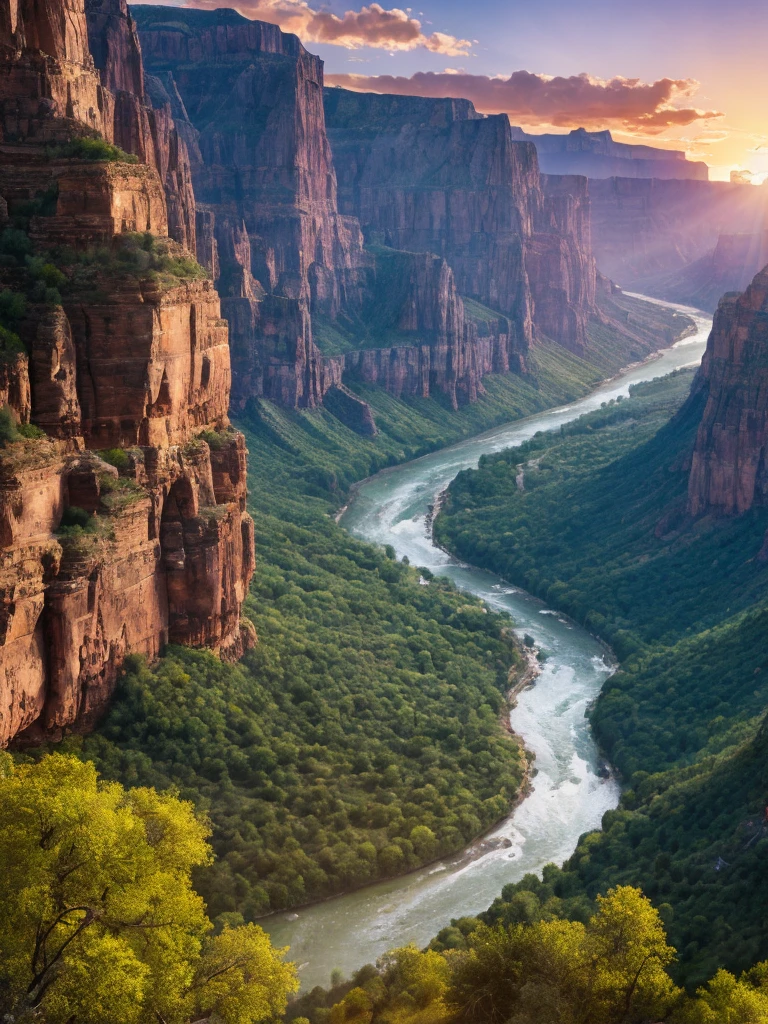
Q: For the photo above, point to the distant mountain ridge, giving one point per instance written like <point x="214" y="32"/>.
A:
<point x="597" y="155"/>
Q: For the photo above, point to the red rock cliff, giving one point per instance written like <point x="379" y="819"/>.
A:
<point x="729" y="471"/>
<point x="432" y="175"/>
<point x="265" y="183"/>
<point x="131" y="358"/>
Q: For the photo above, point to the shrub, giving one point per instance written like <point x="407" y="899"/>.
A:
<point x="116" y="457"/>
<point x="10" y="342"/>
<point x="91" y="149"/>
<point x="31" y="432"/>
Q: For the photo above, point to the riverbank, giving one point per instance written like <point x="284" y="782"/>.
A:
<point x="569" y="793"/>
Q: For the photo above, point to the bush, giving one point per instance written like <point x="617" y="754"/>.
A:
<point x="30" y="432"/>
<point x="15" y="244"/>
<point x="91" y="149"/>
<point x="116" y="457"/>
<point x="76" y="521"/>
<point x="13" y="307"/>
<point x="10" y="342"/>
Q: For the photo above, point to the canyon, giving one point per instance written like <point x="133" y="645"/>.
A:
<point x="122" y="503"/>
<point x="342" y="239"/>
<point x="305" y="196"/>
<point x="684" y="241"/>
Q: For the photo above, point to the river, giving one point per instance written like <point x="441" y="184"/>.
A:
<point x="569" y="791"/>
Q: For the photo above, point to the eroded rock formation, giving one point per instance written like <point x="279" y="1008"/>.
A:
<point x="265" y="185"/>
<point x="729" y="471"/>
<point x="433" y="176"/>
<point x="285" y="245"/>
<point x="123" y="528"/>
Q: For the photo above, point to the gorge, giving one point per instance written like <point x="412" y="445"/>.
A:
<point x="243" y="312"/>
<point x="569" y="791"/>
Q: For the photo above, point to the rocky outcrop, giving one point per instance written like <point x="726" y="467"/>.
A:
<point x="559" y="262"/>
<point x="729" y="472"/>
<point x="432" y="175"/>
<point x="263" y="175"/>
<point x="425" y="340"/>
<point x="49" y="85"/>
<point x="645" y="232"/>
<point x="125" y="527"/>
<point x="133" y="122"/>
<point x="596" y="155"/>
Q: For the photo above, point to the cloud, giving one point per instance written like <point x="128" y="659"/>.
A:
<point x="372" y="25"/>
<point x="577" y="101"/>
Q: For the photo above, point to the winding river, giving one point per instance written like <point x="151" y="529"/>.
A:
<point x="570" y="789"/>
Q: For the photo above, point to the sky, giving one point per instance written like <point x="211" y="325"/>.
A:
<point x="672" y="73"/>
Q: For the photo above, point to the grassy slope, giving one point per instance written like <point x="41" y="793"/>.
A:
<point x="600" y="532"/>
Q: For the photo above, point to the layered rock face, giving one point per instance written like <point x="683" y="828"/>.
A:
<point x="126" y="527"/>
<point x="596" y="155"/>
<point x="265" y="183"/>
<point x="426" y="340"/>
<point x="646" y="231"/>
<point x="432" y="175"/>
<point x="728" y="471"/>
<point x="133" y="123"/>
<point x="49" y="81"/>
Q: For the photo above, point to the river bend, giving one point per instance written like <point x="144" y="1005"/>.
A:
<point x="570" y="792"/>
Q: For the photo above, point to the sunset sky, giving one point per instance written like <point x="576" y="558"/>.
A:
<point x="672" y="73"/>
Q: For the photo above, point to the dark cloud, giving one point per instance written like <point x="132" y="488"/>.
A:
<point x="577" y="101"/>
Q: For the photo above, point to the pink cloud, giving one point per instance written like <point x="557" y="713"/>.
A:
<point x="528" y="98"/>
<point x="373" y="25"/>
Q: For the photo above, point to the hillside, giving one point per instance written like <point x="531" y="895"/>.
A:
<point x="600" y="531"/>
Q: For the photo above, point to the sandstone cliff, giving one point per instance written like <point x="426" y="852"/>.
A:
<point x="728" y="470"/>
<point x="123" y="526"/>
<point x="431" y="175"/>
<point x="415" y="336"/>
<point x="265" y="185"/>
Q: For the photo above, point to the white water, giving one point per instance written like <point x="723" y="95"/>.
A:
<point x="569" y="796"/>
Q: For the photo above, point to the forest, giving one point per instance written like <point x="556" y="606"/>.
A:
<point x="600" y="532"/>
<point x="362" y="736"/>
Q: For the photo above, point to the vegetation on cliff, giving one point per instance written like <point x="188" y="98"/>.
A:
<point x="600" y="531"/>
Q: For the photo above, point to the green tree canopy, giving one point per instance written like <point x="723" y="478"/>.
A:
<point x="98" y="918"/>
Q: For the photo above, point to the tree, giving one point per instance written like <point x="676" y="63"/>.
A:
<point x="98" y="918"/>
<point x="611" y="971"/>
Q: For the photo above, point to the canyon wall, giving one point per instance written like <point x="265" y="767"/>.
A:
<point x="432" y="175"/>
<point x="645" y="232"/>
<point x="286" y="246"/>
<point x="596" y="155"/>
<point x="425" y="337"/>
<point x="122" y="487"/>
<point x="265" y="186"/>
<point x="729" y="267"/>
<point x="729" y="470"/>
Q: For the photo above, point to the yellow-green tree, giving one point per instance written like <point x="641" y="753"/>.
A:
<point x="728" y="1000"/>
<point x="98" y="918"/>
<point x="611" y="971"/>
